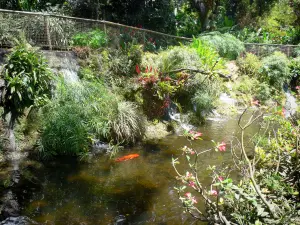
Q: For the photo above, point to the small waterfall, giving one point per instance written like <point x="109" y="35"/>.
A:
<point x="227" y="100"/>
<point x="290" y="105"/>
<point x="182" y="120"/>
<point x="64" y="63"/>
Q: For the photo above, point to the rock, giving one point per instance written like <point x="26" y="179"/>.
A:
<point x="156" y="131"/>
<point x="99" y="147"/>
<point x="21" y="220"/>
<point x="290" y="105"/>
<point x="120" y="220"/>
<point x="10" y="205"/>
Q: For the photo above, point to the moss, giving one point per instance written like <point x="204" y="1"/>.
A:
<point x="156" y="131"/>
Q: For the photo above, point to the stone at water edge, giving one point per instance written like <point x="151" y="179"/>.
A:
<point x="20" y="220"/>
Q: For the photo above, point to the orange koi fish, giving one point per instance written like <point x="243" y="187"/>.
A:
<point x="127" y="157"/>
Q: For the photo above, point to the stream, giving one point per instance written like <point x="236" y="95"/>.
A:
<point x="137" y="191"/>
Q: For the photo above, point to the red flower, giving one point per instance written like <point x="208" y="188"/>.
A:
<point x="146" y="71"/>
<point x="137" y="69"/>
<point x="222" y="147"/>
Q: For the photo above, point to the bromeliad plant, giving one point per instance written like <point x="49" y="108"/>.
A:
<point x="157" y="89"/>
<point x="269" y="181"/>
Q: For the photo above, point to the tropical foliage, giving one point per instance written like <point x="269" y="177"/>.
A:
<point x="27" y="81"/>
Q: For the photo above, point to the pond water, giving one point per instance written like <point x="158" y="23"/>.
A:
<point x="137" y="191"/>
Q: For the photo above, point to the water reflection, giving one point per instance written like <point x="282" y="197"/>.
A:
<point x="138" y="191"/>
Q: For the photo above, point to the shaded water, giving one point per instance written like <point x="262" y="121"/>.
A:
<point x="138" y="191"/>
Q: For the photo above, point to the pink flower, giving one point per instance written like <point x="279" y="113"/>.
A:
<point x="192" y="184"/>
<point x="194" y="200"/>
<point x="188" y="174"/>
<point x="255" y="102"/>
<point x="213" y="193"/>
<point x="188" y="195"/>
<point x="222" y="147"/>
<point x="197" y="135"/>
<point x="220" y="179"/>
<point x="297" y="87"/>
<point x="192" y="152"/>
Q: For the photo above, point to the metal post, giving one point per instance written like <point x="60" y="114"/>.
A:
<point x="46" y="22"/>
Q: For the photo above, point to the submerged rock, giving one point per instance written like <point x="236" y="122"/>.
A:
<point x="21" y="220"/>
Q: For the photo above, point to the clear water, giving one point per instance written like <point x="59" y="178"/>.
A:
<point x="138" y="191"/>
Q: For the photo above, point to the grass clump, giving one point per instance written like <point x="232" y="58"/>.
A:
<point x="128" y="124"/>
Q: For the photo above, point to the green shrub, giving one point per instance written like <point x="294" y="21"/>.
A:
<point x="94" y="39"/>
<point x="227" y="45"/>
<point x="122" y="62"/>
<point x="177" y="58"/>
<point x="296" y="52"/>
<point x="295" y="68"/>
<point x="208" y="55"/>
<point x="249" y="65"/>
<point x="64" y="132"/>
<point x="89" y="105"/>
<point x="149" y="60"/>
<point x="203" y="101"/>
<point x="81" y="112"/>
<point x="275" y="70"/>
<point x="129" y="123"/>
<point x="263" y="92"/>
<point x="86" y="73"/>
<point x="245" y="85"/>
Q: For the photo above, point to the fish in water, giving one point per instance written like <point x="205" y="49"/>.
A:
<point x="127" y="157"/>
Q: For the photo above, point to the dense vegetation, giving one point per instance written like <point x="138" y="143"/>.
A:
<point x="272" y="21"/>
<point x="126" y="87"/>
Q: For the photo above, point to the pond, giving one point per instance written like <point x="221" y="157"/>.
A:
<point x="137" y="191"/>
